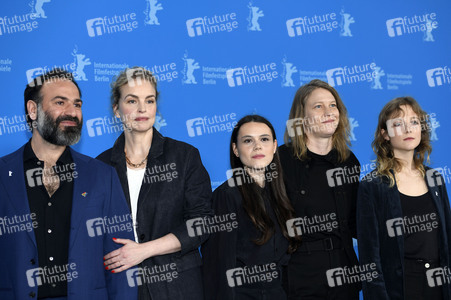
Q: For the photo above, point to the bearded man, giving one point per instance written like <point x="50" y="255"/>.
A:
<point x="58" y="208"/>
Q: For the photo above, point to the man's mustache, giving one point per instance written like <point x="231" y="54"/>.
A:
<point x="67" y="118"/>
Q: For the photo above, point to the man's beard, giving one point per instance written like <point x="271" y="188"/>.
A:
<point x="51" y="132"/>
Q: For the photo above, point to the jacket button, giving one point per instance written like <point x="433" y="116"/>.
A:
<point x="32" y="261"/>
<point x="142" y="236"/>
<point x="32" y="294"/>
<point x="303" y="192"/>
<point x="307" y="166"/>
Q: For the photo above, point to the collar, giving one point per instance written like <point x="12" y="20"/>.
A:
<point x="28" y="154"/>
<point x="331" y="157"/>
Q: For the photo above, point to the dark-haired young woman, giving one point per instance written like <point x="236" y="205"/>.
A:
<point x="322" y="177"/>
<point x="403" y="213"/>
<point x="245" y="262"/>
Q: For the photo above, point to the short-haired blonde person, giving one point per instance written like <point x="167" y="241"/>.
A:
<point x="165" y="185"/>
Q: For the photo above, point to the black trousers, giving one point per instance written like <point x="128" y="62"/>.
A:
<point x="306" y="276"/>
<point x="416" y="286"/>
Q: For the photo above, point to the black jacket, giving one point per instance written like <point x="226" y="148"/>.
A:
<point x="377" y="203"/>
<point x="296" y="173"/>
<point x="230" y="249"/>
<point x="164" y="207"/>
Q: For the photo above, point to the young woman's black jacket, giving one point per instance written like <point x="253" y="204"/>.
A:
<point x="376" y="204"/>
<point x="295" y="176"/>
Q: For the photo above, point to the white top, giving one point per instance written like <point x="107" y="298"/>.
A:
<point x="135" y="179"/>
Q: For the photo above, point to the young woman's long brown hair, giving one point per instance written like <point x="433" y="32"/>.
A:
<point x="340" y="139"/>
<point x="252" y="199"/>
<point x="385" y="159"/>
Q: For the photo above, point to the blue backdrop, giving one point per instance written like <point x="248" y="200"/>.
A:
<point x="219" y="60"/>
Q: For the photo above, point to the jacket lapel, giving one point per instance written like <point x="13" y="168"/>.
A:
<point x="435" y="195"/>
<point x="83" y="184"/>
<point x="394" y="210"/>
<point x="156" y="150"/>
<point x="119" y="163"/>
<point x="15" y="186"/>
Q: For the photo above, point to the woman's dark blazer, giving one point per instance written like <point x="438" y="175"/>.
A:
<point x="377" y="203"/>
<point x="296" y="177"/>
<point x="228" y="250"/>
<point x="164" y="207"/>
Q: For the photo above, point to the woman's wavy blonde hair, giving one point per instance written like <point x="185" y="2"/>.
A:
<point x="340" y="139"/>
<point x="385" y="159"/>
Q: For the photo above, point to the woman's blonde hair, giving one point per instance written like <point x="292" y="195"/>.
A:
<point x="385" y="159"/>
<point x="131" y="76"/>
<point x="298" y="140"/>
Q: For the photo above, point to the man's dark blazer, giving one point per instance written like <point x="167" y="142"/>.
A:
<point x="377" y="203"/>
<point x="165" y="206"/>
<point x="96" y="194"/>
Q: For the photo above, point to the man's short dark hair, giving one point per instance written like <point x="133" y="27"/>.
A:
<point x="33" y="88"/>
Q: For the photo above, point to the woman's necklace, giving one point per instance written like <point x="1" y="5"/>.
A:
<point x="132" y="164"/>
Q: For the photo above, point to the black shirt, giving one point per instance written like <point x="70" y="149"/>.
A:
<point x="319" y="201"/>
<point x="421" y="223"/>
<point x="53" y="216"/>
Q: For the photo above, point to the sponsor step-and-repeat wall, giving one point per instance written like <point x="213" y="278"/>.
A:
<point x="217" y="61"/>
